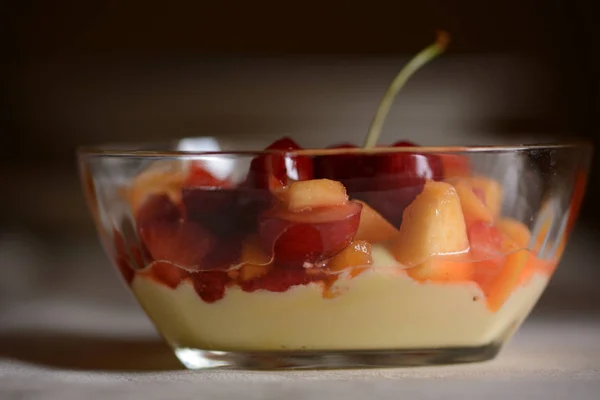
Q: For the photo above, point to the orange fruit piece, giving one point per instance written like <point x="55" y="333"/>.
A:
<point x="373" y="227"/>
<point x="507" y="279"/>
<point x="516" y="231"/>
<point x="357" y="254"/>
<point x="433" y="224"/>
<point x="474" y="209"/>
<point x="256" y="262"/>
<point x="442" y="269"/>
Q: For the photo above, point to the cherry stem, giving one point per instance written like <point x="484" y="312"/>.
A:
<point x="418" y="61"/>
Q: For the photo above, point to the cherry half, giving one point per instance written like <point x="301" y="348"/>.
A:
<point x="387" y="182"/>
<point x="283" y="168"/>
<point x="308" y="236"/>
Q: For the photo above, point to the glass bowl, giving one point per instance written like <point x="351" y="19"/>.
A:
<point x="335" y="258"/>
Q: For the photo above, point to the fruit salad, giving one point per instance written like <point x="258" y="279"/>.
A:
<point x="347" y="248"/>
<point x="354" y="252"/>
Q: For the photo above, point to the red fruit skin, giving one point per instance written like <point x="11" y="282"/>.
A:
<point x="122" y="258"/>
<point x="183" y="243"/>
<point x="387" y="182"/>
<point x="157" y="208"/>
<point x="354" y="171"/>
<point x="400" y="178"/>
<point x="125" y="269"/>
<point x="485" y="241"/>
<point x="199" y="176"/>
<point x="168" y="273"/>
<point x="279" y="280"/>
<point x="210" y="285"/>
<point x="308" y="236"/>
<point x="284" y="168"/>
<point x="486" y="249"/>
<point x="213" y="208"/>
<point x="226" y="212"/>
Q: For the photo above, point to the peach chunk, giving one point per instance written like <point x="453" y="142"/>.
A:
<point x="442" y="269"/>
<point x="491" y="189"/>
<point x="433" y="224"/>
<point x="474" y="209"/>
<point x="516" y="231"/>
<point x="507" y="279"/>
<point x="373" y="227"/>
<point x="358" y="253"/>
<point x="255" y="261"/>
<point x="303" y="195"/>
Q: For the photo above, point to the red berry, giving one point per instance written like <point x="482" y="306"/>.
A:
<point x="210" y="285"/>
<point x="168" y="273"/>
<point x="183" y="243"/>
<point x="157" y="208"/>
<point x="308" y="236"/>
<point x="387" y="182"/>
<point x="283" y="168"/>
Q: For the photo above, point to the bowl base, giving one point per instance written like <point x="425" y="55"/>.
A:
<point x="290" y="360"/>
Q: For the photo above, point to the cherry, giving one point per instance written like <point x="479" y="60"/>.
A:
<point x="308" y="236"/>
<point x="283" y="168"/>
<point x="387" y="182"/>
<point x="183" y="243"/>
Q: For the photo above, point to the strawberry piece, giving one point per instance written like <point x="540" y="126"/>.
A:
<point x="168" y="273"/>
<point x="210" y="285"/>
<point x="308" y="236"/>
<point x="157" y="208"/>
<point x="183" y="243"/>
<point x="284" y="168"/>
<point x="486" y="241"/>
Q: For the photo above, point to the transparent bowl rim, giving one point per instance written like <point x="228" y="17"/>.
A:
<point x="135" y="151"/>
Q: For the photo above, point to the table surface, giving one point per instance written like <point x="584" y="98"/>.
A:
<point x="124" y="359"/>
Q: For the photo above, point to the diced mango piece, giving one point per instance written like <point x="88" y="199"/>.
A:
<point x="250" y="271"/>
<point x="256" y="262"/>
<point x="433" y="224"/>
<point x="358" y="253"/>
<point x="474" y="209"/>
<point x="507" y="279"/>
<point x="536" y="265"/>
<point x="252" y="252"/>
<point x="491" y="189"/>
<point x="442" y="269"/>
<point x="373" y="227"/>
<point x="516" y="231"/>
<point x="315" y="193"/>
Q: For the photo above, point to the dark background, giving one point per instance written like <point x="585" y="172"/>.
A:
<point x="80" y="73"/>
